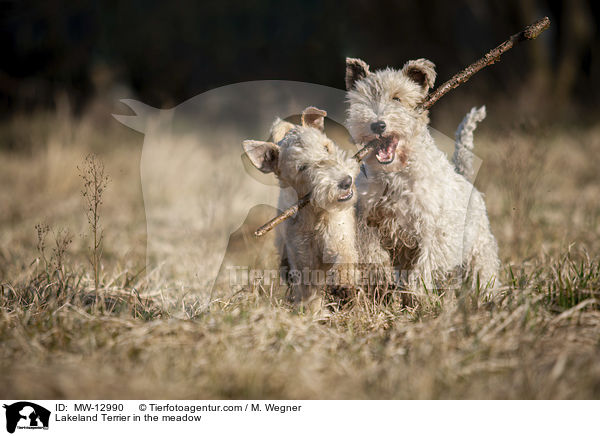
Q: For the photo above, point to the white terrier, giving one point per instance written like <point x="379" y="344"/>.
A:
<point x="416" y="211"/>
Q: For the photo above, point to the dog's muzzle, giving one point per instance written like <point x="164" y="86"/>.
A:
<point x="346" y="197"/>
<point x="386" y="150"/>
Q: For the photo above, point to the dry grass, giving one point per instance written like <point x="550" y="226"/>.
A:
<point x="158" y="334"/>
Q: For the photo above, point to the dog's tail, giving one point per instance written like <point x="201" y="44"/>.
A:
<point x="463" y="148"/>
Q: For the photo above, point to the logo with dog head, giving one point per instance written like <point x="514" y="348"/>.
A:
<point x="26" y="415"/>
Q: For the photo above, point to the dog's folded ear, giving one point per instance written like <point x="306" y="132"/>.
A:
<point x="421" y="71"/>
<point x="356" y="69"/>
<point x="263" y="155"/>
<point x="314" y="117"/>
<point x="279" y="129"/>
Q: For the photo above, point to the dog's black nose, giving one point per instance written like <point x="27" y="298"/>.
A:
<point x="345" y="183"/>
<point x="378" y="127"/>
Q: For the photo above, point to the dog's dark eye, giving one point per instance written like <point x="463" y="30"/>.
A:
<point x="396" y="98"/>
<point x="301" y="167"/>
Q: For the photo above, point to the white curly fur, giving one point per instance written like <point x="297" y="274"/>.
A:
<point x="428" y="220"/>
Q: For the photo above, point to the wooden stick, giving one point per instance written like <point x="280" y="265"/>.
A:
<point x="493" y="56"/>
<point x="283" y="216"/>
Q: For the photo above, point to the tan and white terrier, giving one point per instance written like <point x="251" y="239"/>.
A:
<point x="319" y="242"/>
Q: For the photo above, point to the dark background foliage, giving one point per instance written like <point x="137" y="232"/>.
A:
<point x="167" y="52"/>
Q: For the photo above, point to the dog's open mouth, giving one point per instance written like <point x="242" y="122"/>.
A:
<point x="386" y="150"/>
<point x="347" y="196"/>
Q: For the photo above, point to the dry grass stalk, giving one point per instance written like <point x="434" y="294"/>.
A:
<point x="95" y="182"/>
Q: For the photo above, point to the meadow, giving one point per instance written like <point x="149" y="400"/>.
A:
<point x="121" y="331"/>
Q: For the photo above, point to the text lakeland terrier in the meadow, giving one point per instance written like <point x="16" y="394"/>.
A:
<point x="321" y="238"/>
<point x="416" y="211"/>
